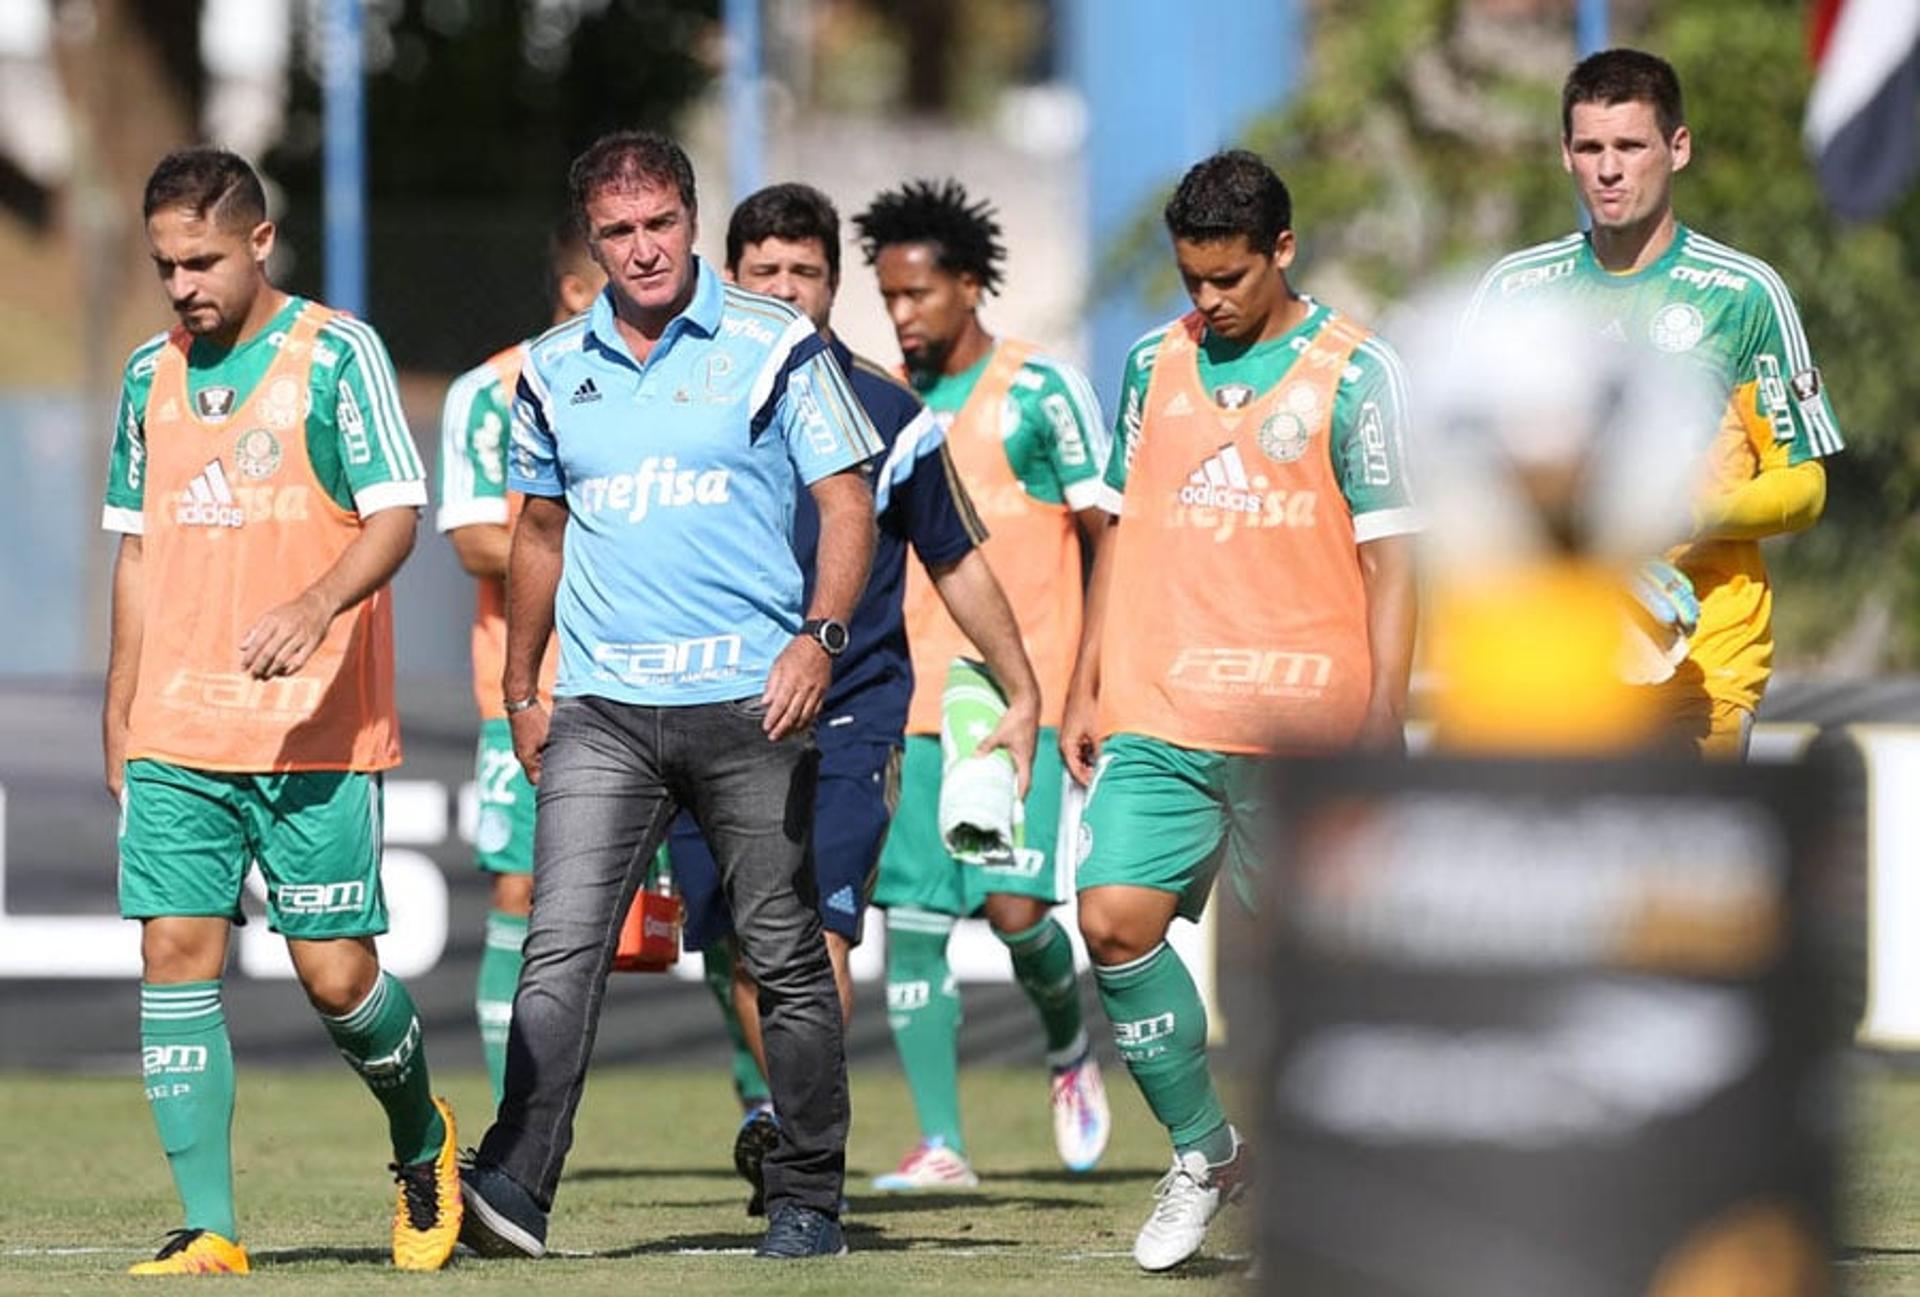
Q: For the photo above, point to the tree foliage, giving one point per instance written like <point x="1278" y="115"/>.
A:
<point x="474" y="110"/>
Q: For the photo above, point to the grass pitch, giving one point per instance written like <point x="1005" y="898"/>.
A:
<point x="650" y="1203"/>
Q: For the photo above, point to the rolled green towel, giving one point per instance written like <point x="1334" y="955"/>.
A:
<point x="981" y="819"/>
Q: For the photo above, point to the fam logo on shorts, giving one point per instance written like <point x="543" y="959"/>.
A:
<point x="257" y="454"/>
<point x="320" y="898"/>
<point x="1677" y="327"/>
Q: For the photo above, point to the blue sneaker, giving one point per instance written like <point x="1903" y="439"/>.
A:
<point x="800" y="1232"/>
<point x="758" y="1134"/>
<point x="501" y="1219"/>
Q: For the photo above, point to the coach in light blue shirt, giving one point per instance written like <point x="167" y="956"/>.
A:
<point x="660" y="440"/>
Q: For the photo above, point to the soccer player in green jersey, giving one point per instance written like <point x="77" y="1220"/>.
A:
<point x="1652" y="279"/>
<point x="476" y="514"/>
<point x="1255" y="595"/>
<point x="265" y="490"/>
<point x="1024" y="435"/>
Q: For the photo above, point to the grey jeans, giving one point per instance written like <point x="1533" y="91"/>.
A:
<point x="612" y="777"/>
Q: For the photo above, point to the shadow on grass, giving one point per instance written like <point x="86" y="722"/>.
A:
<point x="649" y="1173"/>
<point x="1869" y="1253"/>
<point x="892" y="1203"/>
<point x="1207" y="1267"/>
<point x="300" y="1255"/>
<point x="860" y="1238"/>
<point x="1107" y="1175"/>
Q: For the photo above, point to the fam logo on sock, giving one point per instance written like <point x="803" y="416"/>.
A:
<point x="905" y="997"/>
<point x="1141" y="1038"/>
<point x="173" y="1058"/>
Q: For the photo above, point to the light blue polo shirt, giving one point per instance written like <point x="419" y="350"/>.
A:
<point x="679" y="583"/>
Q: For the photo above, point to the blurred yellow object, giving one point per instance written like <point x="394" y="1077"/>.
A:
<point x="1529" y="661"/>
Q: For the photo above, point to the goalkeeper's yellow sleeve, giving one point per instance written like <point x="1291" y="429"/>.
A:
<point x="1776" y="501"/>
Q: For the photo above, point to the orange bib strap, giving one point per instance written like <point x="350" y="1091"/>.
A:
<point x="1033" y="548"/>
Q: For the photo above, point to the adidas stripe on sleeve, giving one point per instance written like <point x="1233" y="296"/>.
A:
<point x="475" y="425"/>
<point x="533" y="467"/>
<point x="1128" y="418"/>
<point x="1369" y="448"/>
<point x="383" y="468"/>
<point x="1777" y="355"/>
<point x="127" y="459"/>
<point x="827" y="430"/>
<point x="1078" y="443"/>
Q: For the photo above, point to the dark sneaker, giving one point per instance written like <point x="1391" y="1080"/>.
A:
<point x="501" y="1219"/>
<point x="758" y="1134"/>
<point x="799" y="1232"/>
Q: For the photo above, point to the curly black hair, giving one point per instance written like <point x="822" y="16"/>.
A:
<point x="964" y="235"/>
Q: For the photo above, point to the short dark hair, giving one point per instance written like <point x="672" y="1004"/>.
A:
<point x="1624" y="77"/>
<point x="211" y="183"/>
<point x="629" y="158"/>
<point x="1230" y="193"/>
<point x="793" y="212"/>
<point x="964" y="235"/>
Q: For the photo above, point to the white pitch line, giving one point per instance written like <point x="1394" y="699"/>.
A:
<point x="75" y="1251"/>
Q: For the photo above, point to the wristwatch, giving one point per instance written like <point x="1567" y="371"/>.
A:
<point x="829" y="634"/>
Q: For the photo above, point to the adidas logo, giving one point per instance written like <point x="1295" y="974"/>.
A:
<point x="843" y="901"/>
<point x="1221" y="482"/>
<point x="584" y="393"/>
<point x="1178" y="406"/>
<point x="208" y="500"/>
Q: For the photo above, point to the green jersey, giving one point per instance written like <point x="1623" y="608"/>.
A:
<point x="1709" y="304"/>
<point x="1051" y="428"/>
<point x="1730" y="314"/>
<point x="476" y="427"/>
<point x="357" y="438"/>
<point x="1368" y="439"/>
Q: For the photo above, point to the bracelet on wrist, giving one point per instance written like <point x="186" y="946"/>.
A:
<point x="514" y="706"/>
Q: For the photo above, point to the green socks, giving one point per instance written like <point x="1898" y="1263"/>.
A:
<point x="749" y="1086"/>
<point x="1043" y="965"/>
<point x="1160" y="1026"/>
<point x="493" y="991"/>
<point x="923" y="1009"/>
<point x="186" y="1061"/>
<point x="381" y="1038"/>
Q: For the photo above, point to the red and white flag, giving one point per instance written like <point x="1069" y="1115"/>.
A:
<point x="1861" y="124"/>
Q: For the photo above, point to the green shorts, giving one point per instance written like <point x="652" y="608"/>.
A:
<point x="187" y="837"/>
<point x="915" y="870"/>
<point x="503" y="830"/>
<point x="1166" y="817"/>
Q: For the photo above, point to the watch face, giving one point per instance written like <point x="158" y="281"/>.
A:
<point x="834" y="637"/>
